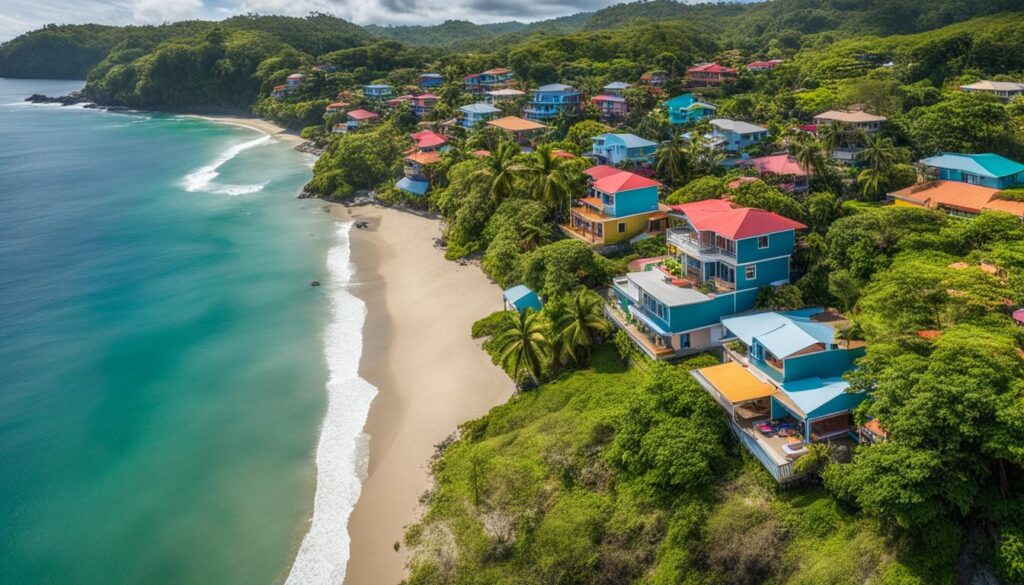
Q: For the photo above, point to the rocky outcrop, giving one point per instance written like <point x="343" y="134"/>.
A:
<point x="75" y="97"/>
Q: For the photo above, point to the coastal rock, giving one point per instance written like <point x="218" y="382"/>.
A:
<point x="315" y="283"/>
<point x="75" y="97"/>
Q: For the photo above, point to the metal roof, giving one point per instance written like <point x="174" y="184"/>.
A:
<point x="986" y="165"/>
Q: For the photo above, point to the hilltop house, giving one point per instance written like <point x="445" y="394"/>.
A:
<point x="987" y="170"/>
<point x="335" y="108"/>
<point x="860" y="120"/>
<point x="782" y="385"/>
<point x="522" y="131"/>
<point x="294" y="80"/>
<point x="783" y="170"/>
<point x="611" y="107"/>
<point x="734" y="135"/>
<point x="759" y="66"/>
<point x="654" y="78"/>
<point x="429" y="80"/>
<point x="1004" y="90"/>
<point x="686" y="109"/>
<point x="615" y="88"/>
<point x="725" y="255"/>
<point x="709" y="74"/>
<point x="619" y="206"/>
<point x="477" y="113"/>
<point x="423" y="104"/>
<point x="550" y="100"/>
<point x="359" y="118"/>
<point x="377" y="91"/>
<point x="614" y="148"/>
<point x="491" y="79"/>
<point x="955" y="198"/>
<point x="506" y="93"/>
<point x="428" y="149"/>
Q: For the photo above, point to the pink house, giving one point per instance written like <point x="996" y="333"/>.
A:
<point x="792" y="177"/>
<point x="610" y="106"/>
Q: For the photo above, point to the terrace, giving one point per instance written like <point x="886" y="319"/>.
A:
<point x="650" y="341"/>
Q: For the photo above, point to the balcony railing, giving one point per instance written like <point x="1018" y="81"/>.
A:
<point x="683" y="239"/>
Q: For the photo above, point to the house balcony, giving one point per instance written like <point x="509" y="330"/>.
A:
<point x="655" y="346"/>
<point x="683" y="239"/>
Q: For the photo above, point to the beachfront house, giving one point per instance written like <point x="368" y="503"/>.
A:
<point x="722" y="256"/>
<point x="860" y="120"/>
<point x="423" y="104"/>
<point x="687" y="109"/>
<point x="479" y="83"/>
<point x="359" y="118"/>
<point x="709" y="75"/>
<point x="427" y="152"/>
<point x="377" y="91"/>
<point x="619" y="206"/>
<point x="762" y="66"/>
<point x="506" y="93"/>
<point x="1004" y="90"/>
<point x="956" y="198"/>
<point x="520" y="298"/>
<point x="782" y="385"/>
<point x="987" y="170"/>
<point x="610" y="106"/>
<point x="429" y="80"/>
<point x="522" y="131"/>
<point x="547" y="101"/>
<point x="474" y="114"/>
<point x="735" y="135"/>
<point x="783" y="170"/>
<point x="616" y="148"/>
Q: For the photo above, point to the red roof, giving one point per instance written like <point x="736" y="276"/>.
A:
<point x="337" y="106"/>
<point x="362" y="115"/>
<point x="607" y="98"/>
<point x="624" y="181"/>
<point x="481" y="152"/>
<point x="711" y="68"/>
<point x="559" y="153"/>
<point x="763" y="64"/>
<point x="428" y="139"/>
<point x="812" y="128"/>
<point x="735" y="223"/>
<point x="497" y="71"/>
<point x="602" y="171"/>
<point x="778" y="164"/>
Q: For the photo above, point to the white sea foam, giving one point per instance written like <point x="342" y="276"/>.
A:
<point x="202" y="179"/>
<point x="342" y="454"/>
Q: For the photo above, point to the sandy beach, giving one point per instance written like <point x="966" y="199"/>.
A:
<point x="264" y="126"/>
<point x="430" y="375"/>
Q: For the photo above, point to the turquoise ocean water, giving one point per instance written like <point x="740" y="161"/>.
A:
<point x="163" y="368"/>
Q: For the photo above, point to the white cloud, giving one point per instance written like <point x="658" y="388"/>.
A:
<point x="157" y="11"/>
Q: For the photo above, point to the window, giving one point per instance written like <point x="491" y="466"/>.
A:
<point x="622" y="227"/>
<point x="750" y="272"/>
<point x="762" y="242"/>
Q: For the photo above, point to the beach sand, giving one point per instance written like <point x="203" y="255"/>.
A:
<point x="264" y="126"/>
<point x="430" y="375"/>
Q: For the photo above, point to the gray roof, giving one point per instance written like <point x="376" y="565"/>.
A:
<point x="617" y="85"/>
<point x="737" y="126"/>
<point x="631" y="140"/>
<point x="556" y="87"/>
<point x="479" y="108"/>
<point x="994" y="86"/>
<point x="653" y="282"/>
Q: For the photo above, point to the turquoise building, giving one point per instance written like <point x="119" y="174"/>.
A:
<point x="377" y="91"/>
<point x="987" y="170"/>
<point x="734" y="135"/>
<point x="547" y="101"/>
<point x="520" y="298"/>
<point x="782" y="384"/>
<point x="613" y="148"/>
<point x="686" y="109"/>
<point x="725" y="255"/>
<point x="478" y="113"/>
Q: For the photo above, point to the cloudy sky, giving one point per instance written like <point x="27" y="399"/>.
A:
<point x="18" y="16"/>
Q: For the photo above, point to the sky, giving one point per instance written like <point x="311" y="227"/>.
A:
<point x="19" y="16"/>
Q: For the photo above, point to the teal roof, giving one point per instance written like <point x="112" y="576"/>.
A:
<point x="821" y="396"/>
<point x="984" y="165"/>
<point x="781" y="333"/>
<point x="522" y="297"/>
<point x="410" y="186"/>
<point x="687" y="101"/>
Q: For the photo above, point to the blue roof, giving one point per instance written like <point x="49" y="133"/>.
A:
<point x="433" y="75"/>
<point x="983" y="165"/>
<point x="410" y="186"/>
<point x="522" y="297"/>
<point x="479" y="108"/>
<point x="629" y="140"/>
<point x="556" y="87"/>
<point x="812" y="394"/>
<point x="781" y="333"/>
<point x="689" y="102"/>
<point x="377" y="86"/>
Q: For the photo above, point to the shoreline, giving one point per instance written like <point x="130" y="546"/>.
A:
<point x="430" y="375"/>
<point x="253" y="123"/>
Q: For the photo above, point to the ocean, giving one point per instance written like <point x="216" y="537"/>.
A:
<point x="177" y="404"/>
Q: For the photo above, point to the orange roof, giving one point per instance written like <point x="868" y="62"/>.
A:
<point x="957" y="195"/>
<point x="362" y="115"/>
<point x="929" y="333"/>
<point x="558" y="152"/>
<point x="735" y="383"/>
<point x="424" y="158"/>
<point x="515" y="124"/>
<point x="481" y="152"/>
<point x="873" y="426"/>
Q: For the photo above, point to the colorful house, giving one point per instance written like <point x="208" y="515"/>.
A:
<point x="986" y="170"/>
<point x="654" y="78"/>
<point x="611" y="107"/>
<point x="725" y="255"/>
<point x="547" y="101"/>
<point x="279" y="91"/>
<point x="423" y="104"/>
<point x="783" y="169"/>
<point x="615" y="148"/>
<point x="761" y="66"/>
<point x="615" y="88"/>
<point x="294" y="80"/>
<point x="488" y="80"/>
<point x="507" y="93"/>
<point x="520" y="298"/>
<point x="686" y="109"/>
<point x="377" y="91"/>
<point x="359" y="118"/>
<point x="709" y="74"/>
<point x="478" y="113"/>
<point x="1004" y="90"/>
<point x="429" y="80"/>
<point x="521" y="130"/>
<point x="428" y="149"/>
<point x="619" y="206"/>
<point x="782" y="385"/>
<point x="955" y="198"/>
<point x="860" y="120"/>
<point x="735" y="135"/>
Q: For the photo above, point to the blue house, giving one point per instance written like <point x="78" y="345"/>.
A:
<point x="686" y="109"/>
<point x="613" y="148"/>
<point x="550" y="100"/>
<point x="725" y="255"/>
<point x="734" y="135"/>
<point x="520" y="298"/>
<point x="477" y="113"/>
<point x="782" y="384"/>
<point x="988" y="170"/>
<point x="429" y="80"/>
<point x="377" y="91"/>
<point x="619" y="207"/>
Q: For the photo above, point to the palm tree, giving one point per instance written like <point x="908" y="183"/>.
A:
<point x="548" y="181"/>
<point x="523" y="346"/>
<point x="879" y="154"/>
<point x="580" y="327"/>
<point x="810" y="153"/>
<point x="817" y="458"/>
<point x="501" y="170"/>
<point x="836" y="135"/>
<point x="670" y="160"/>
<point x="532" y="235"/>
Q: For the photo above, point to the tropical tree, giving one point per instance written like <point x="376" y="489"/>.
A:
<point x="549" y="183"/>
<point x="837" y="135"/>
<point x="523" y="346"/>
<point x="578" y="327"/>
<point x="810" y="153"/>
<point x="534" y="235"/>
<point x="817" y="458"/>
<point x="880" y="155"/>
<point x="670" y="160"/>
<point x="501" y="170"/>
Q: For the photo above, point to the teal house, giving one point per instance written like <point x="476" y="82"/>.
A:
<point x="613" y="148"/>
<point x="782" y="384"/>
<point x="686" y="109"/>
<point x="725" y="255"/>
<point x="472" y="114"/>
<point x="736" y="135"/>
<point x="377" y="91"/>
<point x="547" y="101"/>
<point x="520" y="298"/>
<point x="987" y="170"/>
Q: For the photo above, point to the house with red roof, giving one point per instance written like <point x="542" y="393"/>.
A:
<point x="418" y="159"/>
<point x="359" y="118"/>
<point x="619" y="206"/>
<point x="610" y="106"/>
<point x="480" y="83"/>
<point x="423" y="104"/>
<point x="759" y="66"/>
<point x="783" y="170"/>
<point x="709" y="74"/>
<point x="725" y="255"/>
